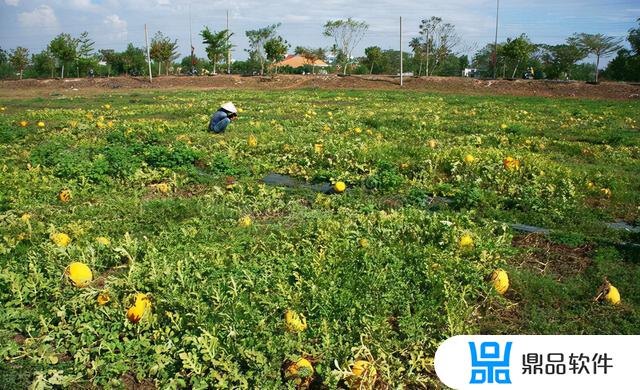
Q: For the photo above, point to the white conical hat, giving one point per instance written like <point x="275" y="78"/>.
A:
<point x="230" y="107"/>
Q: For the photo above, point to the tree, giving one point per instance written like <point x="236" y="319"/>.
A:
<point x="347" y="34"/>
<point x="517" y="51"/>
<point x="558" y="60"/>
<point x="257" y="40"/>
<point x="3" y="56"/>
<point x="634" y="38"/>
<point x="111" y="58"/>
<point x="43" y="63"/>
<point x="626" y="65"/>
<point x="440" y="39"/>
<point x="599" y="45"/>
<point x="64" y="49"/>
<point x="373" y="54"/>
<point x="19" y="58"/>
<point x="418" y="54"/>
<point x="311" y="55"/>
<point x="163" y="50"/>
<point x="85" y="58"/>
<point x="217" y="44"/>
<point x="132" y="61"/>
<point x="275" y="50"/>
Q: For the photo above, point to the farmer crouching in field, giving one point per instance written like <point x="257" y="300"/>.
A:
<point x="221" y="118"/>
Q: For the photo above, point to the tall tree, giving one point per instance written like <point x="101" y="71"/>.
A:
<point x="373" y="54"/>
<point x="599" y="45"/>
<point x="86" y="57"/>
<point x="517" y="51"/>
<point x="418" y="54"/>
<point x="634" y="38"/>
<point x="64" y="48"/>
<point x="276" y="49"/>
<point x="347" y="34"/>
<point x="558" y="60"/>
<point x="43" y="63"/>
<point x="3" y="56"/>
<point x="217" y="44"/>
<point x="163" y="51"/>
<point x="133" y="60"/>
<point x="440" y="40"/>
<point x="257" y="40"/>
<point x="19" y="58"/>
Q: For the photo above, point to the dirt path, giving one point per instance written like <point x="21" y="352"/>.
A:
<point x="456" y="85"/>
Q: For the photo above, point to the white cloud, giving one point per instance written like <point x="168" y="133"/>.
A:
<point x="117" y="27"/>
<point x="81" y="5"/>
<point x="41" y="17"/>
<point x="12" y="2"/>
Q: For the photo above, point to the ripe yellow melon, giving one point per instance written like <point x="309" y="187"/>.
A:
<point x="613" y="296"/>
<point x="359" y="367"/>
<point x="466" y="241"/>
<point x="295" y="322"/>
<point x="65" y="195"/>
<point x="79" y="274"/>
<point x="500" y="281"/>
<point x="339" y="187"/>
<point x="140" y="307"/>
<point x="245" y="221"/>
<point x="61" y="239"/>
<point x="300" y="372"/>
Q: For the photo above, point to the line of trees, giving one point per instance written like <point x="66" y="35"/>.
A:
<point x="435" y="51"/>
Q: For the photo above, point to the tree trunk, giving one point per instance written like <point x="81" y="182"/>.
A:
<point x="597" y="64"/>
<point x="515" y="69"/>
<point x="159" y="67"/>
<point x="62" y="72"/>
<point x="21" y="74"/>
<point x="166" y="68"/>
<point x="371" y="71"/>
<point x="214" y="67"/>
<point x="344" y="69"/>
<point x="420" y="69"/>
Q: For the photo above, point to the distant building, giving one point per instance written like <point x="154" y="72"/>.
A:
<point x="469" y="72"/>
<point x="297" y="61"/>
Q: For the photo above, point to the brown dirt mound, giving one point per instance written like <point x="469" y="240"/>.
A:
<point x="546" y="257"/>
<point x="454" y="85"/>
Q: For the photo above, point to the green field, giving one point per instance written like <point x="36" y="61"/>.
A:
<point x="378" y="271"/>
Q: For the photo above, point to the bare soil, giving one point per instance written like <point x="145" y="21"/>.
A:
<point x="453" y="85"/>
<point x="548" y="258"/>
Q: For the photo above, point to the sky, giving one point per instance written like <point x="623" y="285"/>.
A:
<point x="114" y="23"/>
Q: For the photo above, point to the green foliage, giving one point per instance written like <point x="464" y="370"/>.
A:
<point x="217" y="44"/>
<point x="163" y="50"/>
<point x="145" y="174"/>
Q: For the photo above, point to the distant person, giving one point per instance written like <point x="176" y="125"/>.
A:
<point x="221" y="118"/>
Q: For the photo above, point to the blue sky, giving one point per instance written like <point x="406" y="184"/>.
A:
<point x="114" y="23"/>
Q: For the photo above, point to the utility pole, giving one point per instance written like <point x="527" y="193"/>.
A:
<point x="191" y="42"/>
<point x="495" y="42"/>
<point x="228" y="48"/>
<point x="401" y="52"/>
<point x="146" y="42"/>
